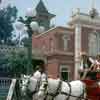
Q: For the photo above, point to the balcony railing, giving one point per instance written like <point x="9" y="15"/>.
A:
<point x="9" y="89"/>
<point x="4" y="87"/>
<point x="5" y="82"/>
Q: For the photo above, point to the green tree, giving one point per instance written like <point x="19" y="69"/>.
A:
<point x="8" y="16"/>
<point x="18" y="62"/>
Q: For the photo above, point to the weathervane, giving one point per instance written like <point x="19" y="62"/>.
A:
<point x="93" y="12"/>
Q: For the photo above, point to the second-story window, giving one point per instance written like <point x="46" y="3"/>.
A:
<point x="94" y="41"/>
<point x="65" y="42"/>
<point x="98" y="43"/>
<point x="51" y="44"/>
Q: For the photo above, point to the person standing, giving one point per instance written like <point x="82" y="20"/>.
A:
<point x="40" y="71"/>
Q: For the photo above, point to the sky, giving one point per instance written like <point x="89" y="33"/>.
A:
<point x="61" y="8"/>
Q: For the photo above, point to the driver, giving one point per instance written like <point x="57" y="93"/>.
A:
<point x="40" y="72"/>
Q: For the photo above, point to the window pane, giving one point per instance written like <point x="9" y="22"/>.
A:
<point x="64" y="76"/>
<point x="65" y="41"/>
<point x="64" y="72"/>
<point x="92" y="44"/>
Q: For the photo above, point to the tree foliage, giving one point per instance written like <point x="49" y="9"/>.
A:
<point x="18" y="62"/>
<point x="8" y="16"/>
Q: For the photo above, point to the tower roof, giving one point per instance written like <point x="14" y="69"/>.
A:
<point x="41" y="9"/>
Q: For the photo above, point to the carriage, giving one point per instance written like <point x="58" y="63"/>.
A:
<point x="92" y="78"/>
<point x="93" y="86"/>
<point x="92" y="89"/>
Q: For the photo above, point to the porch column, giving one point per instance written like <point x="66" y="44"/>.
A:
<point x="77" y="49"/>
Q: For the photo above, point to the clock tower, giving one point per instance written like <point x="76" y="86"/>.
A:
<point x="43" y="16"/>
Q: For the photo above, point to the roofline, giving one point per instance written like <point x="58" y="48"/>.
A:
<point x="65" y="28"/>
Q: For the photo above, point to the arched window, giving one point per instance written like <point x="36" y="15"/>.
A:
<point x="65" y="41"/>
<point x="51" y="44"/>
<point x="93" y="41"/>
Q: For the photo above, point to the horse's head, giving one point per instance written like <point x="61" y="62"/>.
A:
<point x="24" y="83"/>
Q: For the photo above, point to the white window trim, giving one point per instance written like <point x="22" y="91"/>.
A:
<point x="51" y="45"/>
<point x="65" y="39"/>
<point x="98" y="43"/>
<point x="92" y="44"/>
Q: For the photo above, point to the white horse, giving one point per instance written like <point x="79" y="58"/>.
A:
<point x="31" y="85"/>
<point x="52" y="89"/>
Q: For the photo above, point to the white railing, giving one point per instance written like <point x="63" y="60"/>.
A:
<point x="5" y="82"/>
<point x="11" y="89"/>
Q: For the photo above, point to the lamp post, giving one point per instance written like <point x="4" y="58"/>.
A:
<point x="30" y="27"/>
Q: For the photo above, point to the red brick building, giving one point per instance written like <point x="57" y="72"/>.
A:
<point x="59" y="56"/>
<point x="61" y="46"/>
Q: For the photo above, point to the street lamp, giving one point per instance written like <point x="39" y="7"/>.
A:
<point x="30" y="27"/>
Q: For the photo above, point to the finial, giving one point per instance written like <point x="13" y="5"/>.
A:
<point x="75" y="11"/>
<point x="72" y="12"/>
<point x="93" y="12"/>
<point x="78" y="10"/>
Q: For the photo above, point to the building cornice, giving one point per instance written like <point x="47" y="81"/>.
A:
<point x="90" y="26"/>
<point x="85" y="19"/>
<point x="59" y="53"/>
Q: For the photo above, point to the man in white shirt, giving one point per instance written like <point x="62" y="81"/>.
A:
<point x="40" y="72"/>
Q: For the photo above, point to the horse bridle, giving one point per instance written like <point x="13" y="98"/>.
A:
<point x="58" y="91"/>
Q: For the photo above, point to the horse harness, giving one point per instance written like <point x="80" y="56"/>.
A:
<point x="58" y="91"/>
<point x="37" y="86"/>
